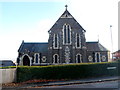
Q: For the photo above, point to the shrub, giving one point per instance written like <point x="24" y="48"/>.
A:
<point x="71" y="71"/>
<point x="7" y="67"/>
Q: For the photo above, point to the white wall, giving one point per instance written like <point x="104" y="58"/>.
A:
<point x="7" y="75"/>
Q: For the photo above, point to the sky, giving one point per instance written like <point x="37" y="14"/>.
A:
<point x="30" y="21"/>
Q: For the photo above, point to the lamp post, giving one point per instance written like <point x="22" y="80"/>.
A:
<point x="111" y="40"/>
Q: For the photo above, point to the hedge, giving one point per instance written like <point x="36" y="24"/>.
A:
<point x="7" y="67"/>
<point x="71" y="71"/>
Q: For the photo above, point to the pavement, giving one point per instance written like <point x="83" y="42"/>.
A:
<point x="82" y="81"/>
<point x="69" y="82"/>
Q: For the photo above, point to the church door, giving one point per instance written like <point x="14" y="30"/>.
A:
<point x="26" y="61"/>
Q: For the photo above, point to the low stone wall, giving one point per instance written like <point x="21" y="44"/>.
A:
<point x="7" y="75"/>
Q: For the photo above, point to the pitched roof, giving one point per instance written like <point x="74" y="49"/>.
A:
<point x="33" y="47"/>
<point x="4" y="63"/>
<point x="95" y="46"/>
<point x="67" y="18"/>
<point x="116" y="52"/>
<point x="66" y="14"/>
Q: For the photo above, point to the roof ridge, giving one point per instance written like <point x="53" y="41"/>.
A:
<point x="66" y="14"/>
<point x="92" y="42"/>
<point x="101" y="46"/>
<point x="36" y="42"/>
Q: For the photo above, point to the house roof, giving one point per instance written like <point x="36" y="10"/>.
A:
<point x="66" y="14"/>
<point x="43" y="47"/>
<point x="4" y="63"/>
<point x="116" y="52"/>
<point x="95" y="46"/>
<point x="67" y="18"/>
<point x="33" y="47"/>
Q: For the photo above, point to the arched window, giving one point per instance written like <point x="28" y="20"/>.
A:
<point x="55" y="58"/>
<point x="66" y="34"/>
<point x="78" y="58"/>
<point x="78" y="41"/>
<point x="55" y="41"/>
<point x="97" y="57"/>
<point x="36" y="58"/>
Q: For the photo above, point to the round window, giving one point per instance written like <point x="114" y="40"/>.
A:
<point x="44" y="59"/>
<point x="90" y="58"/>
<point x="103" y="58"/>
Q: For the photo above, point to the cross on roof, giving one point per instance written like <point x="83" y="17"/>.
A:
<point x="66" y="6"/>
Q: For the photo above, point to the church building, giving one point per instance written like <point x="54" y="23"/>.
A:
<point x="66" y="44"/>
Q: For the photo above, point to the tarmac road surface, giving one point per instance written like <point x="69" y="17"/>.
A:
<point x="101" y="83"/>
<point x="112" y="85"/>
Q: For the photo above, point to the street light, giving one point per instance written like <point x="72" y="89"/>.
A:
<point x="111" y="40"/>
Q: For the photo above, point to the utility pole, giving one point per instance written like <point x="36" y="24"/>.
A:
<point x="111" y="41"/>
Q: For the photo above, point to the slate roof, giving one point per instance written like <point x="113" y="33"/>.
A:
<point x="95" y="46"/>
<point x="66" y="17"/>
<point x="33" y="47"/>
<point x="4" y="63"/>
<point x="116" y="52"/>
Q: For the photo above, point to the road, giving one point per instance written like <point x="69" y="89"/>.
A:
<point x="107" y="84"/>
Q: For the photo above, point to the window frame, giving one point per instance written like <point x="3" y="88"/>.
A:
<point x="35" y="61"/>
<point x="77" y="58"/>
<point x="66" y="34"/>
<point x="78" y="40"/>
<point x="55" y="37"/>
<point x="54" y="59"/>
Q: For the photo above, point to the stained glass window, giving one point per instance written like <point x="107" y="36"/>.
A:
<point x="55" y="41"/>
<point x="67" y="34"/>
<point x="78" y="41"/>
